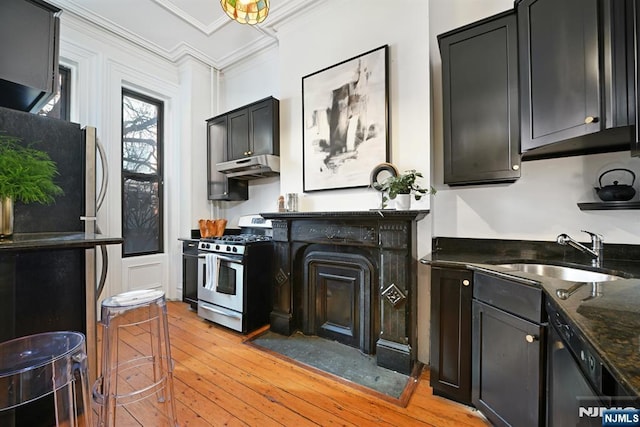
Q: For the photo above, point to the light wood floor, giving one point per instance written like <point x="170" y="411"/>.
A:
<point x="220" y="380"/>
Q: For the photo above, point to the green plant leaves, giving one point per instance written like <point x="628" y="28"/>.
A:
<point x="26" y="174"/>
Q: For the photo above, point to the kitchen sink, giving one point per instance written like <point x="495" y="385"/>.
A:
<point x="564" y="273"/>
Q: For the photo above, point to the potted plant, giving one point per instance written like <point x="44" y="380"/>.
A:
<point x="401" y="187"/>
<point x="26" y="176"/>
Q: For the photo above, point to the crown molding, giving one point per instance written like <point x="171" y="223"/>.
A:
<point x="206" y="29"/>
<point x="268" y="33"/>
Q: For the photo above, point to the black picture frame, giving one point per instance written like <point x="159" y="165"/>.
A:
<point x="345" y="129"/>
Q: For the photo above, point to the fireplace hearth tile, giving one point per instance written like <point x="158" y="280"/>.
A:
<point x="337" y="359"/>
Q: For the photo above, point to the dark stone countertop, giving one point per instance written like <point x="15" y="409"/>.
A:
<point x="61" y="240"/>
<point x="610" y="320"/>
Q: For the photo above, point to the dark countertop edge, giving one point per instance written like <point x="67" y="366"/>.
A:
<point x="370" y="214"/>
<point x="548" y="287"/>
<point x="63" y="240"/>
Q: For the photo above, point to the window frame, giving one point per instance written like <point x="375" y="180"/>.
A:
<point x="159" y="104"/>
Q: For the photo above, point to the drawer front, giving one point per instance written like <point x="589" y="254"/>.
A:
<point x="517" y="298"/>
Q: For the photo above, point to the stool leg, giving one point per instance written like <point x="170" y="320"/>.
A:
<point x="169" y="361"/>
<point x="156" y="337"/>
<point x="81" y="385"/>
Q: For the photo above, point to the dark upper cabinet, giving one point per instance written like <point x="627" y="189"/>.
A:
<point x="480" y="101"/>
<point x="574" y="80"/>
<point x="635" y="144"/>
<point x="219" y="187"/>
<point x="450" y="369"/>
<point x="254" y="130"/>
<point x="29" y="66"/>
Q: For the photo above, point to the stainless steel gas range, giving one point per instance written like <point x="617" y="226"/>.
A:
<point x="234" y="273"/>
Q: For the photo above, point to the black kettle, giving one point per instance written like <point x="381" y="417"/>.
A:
<point x="616" y="192"/>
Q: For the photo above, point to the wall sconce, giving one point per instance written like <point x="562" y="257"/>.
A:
<point x="246" y="11"/>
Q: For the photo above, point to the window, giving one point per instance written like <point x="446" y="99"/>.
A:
<point x="58" y="106"/>
<point x="142" y="207"/>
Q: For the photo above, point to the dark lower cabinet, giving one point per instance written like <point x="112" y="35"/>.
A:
<point x="450" y="370"/>
<point x="190" y="273"/>
<point x="506" y="377"/>
<point x="508" y="352"/>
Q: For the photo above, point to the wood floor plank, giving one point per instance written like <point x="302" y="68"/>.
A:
<point x="221" y="381"/>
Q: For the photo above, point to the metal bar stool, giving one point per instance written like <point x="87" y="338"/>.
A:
<point x="48" y="364"/>
<point x="136" y="382"/>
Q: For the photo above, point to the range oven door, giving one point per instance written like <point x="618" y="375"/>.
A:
<point x="221" y="289"/>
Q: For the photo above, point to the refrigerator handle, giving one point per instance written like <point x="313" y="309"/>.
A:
<point x="105" y="174"/>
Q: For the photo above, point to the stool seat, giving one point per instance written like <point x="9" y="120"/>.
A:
<point x="36" y="366"/>
<point x="133" y="298"/>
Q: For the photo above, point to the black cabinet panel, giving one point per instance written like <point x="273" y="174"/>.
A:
<point x="508" y="361"/>
<point x="254" y="130"/>
<point x="219" y="187"/>
<point x="29" y="66"/>
<point x="238" y="138"/>
<point x="507" y="368"/>
<point x="574" y="77"/>
<point x="480" y="97"/>
<point x="450" y="371"/>
<point x="190" y="273"/>
<point x="264" y="127"/>
<point x="635" y="144"/>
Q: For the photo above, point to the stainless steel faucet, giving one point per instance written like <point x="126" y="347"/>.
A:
<point x="596" y="251"/>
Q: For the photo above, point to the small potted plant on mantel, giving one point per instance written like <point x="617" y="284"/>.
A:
<point x="401" y="187"/>
<point x="26" y="175"/>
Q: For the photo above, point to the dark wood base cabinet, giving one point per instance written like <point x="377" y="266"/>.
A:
<point x="508" y="351"/>
<point x="450" y="370"/>
<point x="190" y="273"/>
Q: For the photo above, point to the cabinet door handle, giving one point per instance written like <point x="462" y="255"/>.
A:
<point x="590" y="119"/>
<point x="465" y="282"/>
<point x="515" y="167"/>
<point x="530" y="338"/>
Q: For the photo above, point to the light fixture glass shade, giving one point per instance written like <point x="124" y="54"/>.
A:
<point x="246" y="11"/>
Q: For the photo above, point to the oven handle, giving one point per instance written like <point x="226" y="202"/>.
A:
<point x="224" y="258"/>
<point x="224" y="313"/>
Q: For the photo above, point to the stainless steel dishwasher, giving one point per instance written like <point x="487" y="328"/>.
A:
<point x="568" y="387"/>
<point x="579" y="384"/>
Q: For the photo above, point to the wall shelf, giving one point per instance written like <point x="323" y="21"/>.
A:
<point x="606" y="206"/>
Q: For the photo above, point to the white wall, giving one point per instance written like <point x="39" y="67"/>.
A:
<point x="543" y="202"/>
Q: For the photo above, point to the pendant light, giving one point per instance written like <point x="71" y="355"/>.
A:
<point x="246" y="11"/>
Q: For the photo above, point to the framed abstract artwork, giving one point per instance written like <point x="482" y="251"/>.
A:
<point x="345" y="122"/>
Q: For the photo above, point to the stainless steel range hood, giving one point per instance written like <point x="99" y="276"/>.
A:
<point x="255" y="167"/>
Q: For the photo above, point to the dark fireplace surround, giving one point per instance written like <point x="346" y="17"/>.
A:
<point x="349" y="277"/>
